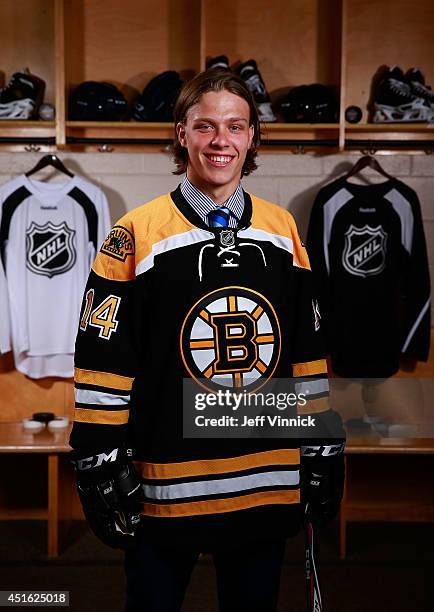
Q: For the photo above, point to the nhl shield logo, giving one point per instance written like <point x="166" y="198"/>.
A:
<point x="50" y="248"/>
<point x="227" y="238"/>
<point x="365" y="250"/>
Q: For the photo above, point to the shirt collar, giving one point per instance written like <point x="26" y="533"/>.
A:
<point x="203" y="204"/>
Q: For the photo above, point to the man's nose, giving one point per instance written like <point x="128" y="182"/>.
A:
<point x="220" y="137"/>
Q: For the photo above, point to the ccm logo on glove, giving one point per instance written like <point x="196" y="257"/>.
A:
<point x="322" y="451"/>
<point x="96" y="461"/>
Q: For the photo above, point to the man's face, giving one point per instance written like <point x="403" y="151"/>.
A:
<point x="217" y="136"/>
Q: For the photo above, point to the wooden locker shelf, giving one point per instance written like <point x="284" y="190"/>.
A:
<point x="27" y="130"/>
<point x="131" y="130"/>
<point x="340" y="43"/>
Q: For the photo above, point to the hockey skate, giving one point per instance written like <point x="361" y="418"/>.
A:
<point x="416" y="80"/>
<point x="22" y="96"/>
<point x="394" y="100"/>
<point x="221" y="62"/>
<point x="250" y="74"/>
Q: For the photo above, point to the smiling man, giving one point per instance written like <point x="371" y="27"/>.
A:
<point x="212" y="285"/>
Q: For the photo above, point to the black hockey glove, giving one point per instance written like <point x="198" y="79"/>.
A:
<point x="111" y="495"/>
<point x="322" y="480"/>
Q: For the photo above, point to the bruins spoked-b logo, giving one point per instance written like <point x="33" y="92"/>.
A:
<point x="50" y="249"/>
<point x="231" y="337"/>
<point x="365" y="250"/>
<point x="119" y="243"/>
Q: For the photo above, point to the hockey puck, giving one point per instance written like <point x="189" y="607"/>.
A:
<point x="47" y="112"/>
<point x="58" y="423"/>
<point x="32" y="425"/>
<point x="43" y="417"/>
<point x="353" y="114"/>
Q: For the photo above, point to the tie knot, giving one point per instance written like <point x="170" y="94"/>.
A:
<point x="219" y="217"/>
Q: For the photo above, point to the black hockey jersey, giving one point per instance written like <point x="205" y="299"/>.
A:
<point x="169" y="298"/>
<point x="367" y="249"/>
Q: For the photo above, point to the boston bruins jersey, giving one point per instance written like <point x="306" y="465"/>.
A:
<point x="168" y="299"/>
<point x="367" y="248"/>
<point x="49" y="235"/>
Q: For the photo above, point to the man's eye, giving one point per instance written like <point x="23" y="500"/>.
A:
<point x="204" y="127"/>
<point x="236" y="128"/>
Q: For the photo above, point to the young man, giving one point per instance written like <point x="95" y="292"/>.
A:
<point x="211" y="284"/>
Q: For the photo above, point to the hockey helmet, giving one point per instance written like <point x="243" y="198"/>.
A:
<point x="158" y="98"/>
<point x="93" y="101"/>
<point x="314" y="103"/>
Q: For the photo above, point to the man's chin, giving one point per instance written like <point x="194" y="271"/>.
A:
<point x="220" y="177"/>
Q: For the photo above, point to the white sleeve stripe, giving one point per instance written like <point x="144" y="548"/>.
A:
<point x="403" y="210"/>
<point x="416" y="325"/>
<point x="312" y="387"/>
<point x="331" y="208"/>
<point x="85" y="396"/>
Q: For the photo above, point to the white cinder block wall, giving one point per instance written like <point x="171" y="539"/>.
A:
<point x="292" y="181"/>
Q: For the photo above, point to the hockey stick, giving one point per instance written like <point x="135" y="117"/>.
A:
<point x="313" y="592"/>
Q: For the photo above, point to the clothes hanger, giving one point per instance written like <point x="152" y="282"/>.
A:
<point x="367" y="161"/>
<point x="50" y="160"/>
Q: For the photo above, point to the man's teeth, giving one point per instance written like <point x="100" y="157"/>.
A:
<point x="220" y="159"/>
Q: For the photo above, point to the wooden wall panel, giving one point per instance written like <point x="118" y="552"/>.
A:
<point x="21" y="396"/>
<point x="27" y="40"/>
<point x="294" y="42"/>
<point x="128" y="43"/>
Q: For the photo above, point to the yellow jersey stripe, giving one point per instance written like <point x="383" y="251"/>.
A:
<point x="310" y="368"/>
<point x="103" y="379"/>
<point x="202" y="467"/>
<point x="101" y="417"/>
<point x="215" y="506"/>
<point x="314" y="406"/>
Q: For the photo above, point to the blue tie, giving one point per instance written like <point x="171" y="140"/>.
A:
<point x="219" y="217"/>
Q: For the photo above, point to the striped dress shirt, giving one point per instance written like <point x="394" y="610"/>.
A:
<point x="203" y="204"/>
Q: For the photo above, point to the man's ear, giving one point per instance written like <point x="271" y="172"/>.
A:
<point x="180" y="132"/>
<point x="251" y="134"/>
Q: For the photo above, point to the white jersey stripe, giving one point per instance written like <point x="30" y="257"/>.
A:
<point x="177" y="241"/>
<point x="283" y="242"/>
<point x="225" y="485"/>
<point x="197" y="235"/>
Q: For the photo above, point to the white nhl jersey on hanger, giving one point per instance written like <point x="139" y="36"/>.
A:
<point x="49" y="235"/>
